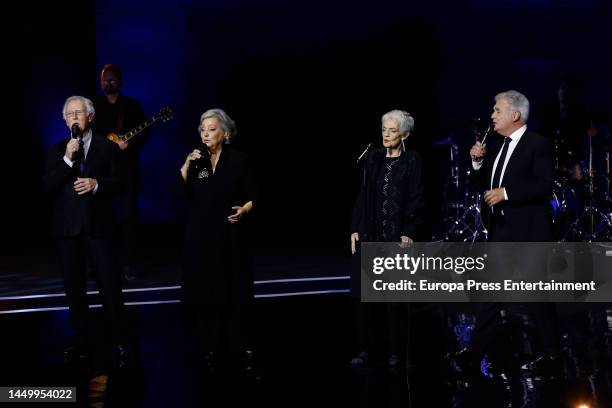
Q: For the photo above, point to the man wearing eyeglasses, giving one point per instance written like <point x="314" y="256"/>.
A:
<point x="82" y="175"/>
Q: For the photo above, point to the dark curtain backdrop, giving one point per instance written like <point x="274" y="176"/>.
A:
<point x="306" y="82"/>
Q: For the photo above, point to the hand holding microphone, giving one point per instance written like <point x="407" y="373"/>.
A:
<point x="479" y="150"/>
<point x="197" y="158"/>
<point x="192" y="157"/>
<point x="203" y="155"/>
<point x="73" y="145"/>
<point x="75" y="131"/>
<point x="204" y="152"/>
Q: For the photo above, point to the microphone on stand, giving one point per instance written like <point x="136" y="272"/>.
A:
<point x="365" y="152"/>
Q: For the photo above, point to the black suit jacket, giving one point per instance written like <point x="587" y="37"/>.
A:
<point x="90" y="214"/>
<point x="528" y="181"/>
<point x="409" y="188"/>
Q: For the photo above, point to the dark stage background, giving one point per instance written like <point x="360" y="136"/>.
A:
<point x="306" y="82"/>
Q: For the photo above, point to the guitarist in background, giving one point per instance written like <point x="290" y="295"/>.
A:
<point x="117" y="113"/>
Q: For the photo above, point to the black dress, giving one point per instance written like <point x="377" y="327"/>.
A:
<point x="388" y="206"/>
<point x="216" y="262"/>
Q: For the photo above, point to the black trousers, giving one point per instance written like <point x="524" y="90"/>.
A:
<point x="75" y="253"/>
<point x="509" y="261"/>
<point x="395" y="327"/>
<point x="543" y="332"/>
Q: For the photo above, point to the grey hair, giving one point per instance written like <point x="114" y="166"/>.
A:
<point x="224" y="120"/>
<point x="403" y="119"/>
<point x="89" y="106"/>
<point x="517" y="101"/>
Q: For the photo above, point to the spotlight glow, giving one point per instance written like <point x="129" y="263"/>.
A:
<point x="583" y="406"/>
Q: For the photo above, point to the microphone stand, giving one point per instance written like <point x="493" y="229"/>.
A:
<point x="364" y="185"/>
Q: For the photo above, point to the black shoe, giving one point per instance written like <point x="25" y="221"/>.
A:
<point x="394" y="361"/>
<point x="360" y="360"/>
<point x="129" y="273"/>
<point x="211" y="360"/>
<point x="122" y="355"/>
<point x="250" y="365"/>
<point x="74" y="354"/>
<point x="249" y="360"/>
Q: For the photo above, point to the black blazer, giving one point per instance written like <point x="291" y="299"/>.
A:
<point x="410" y="189"/>
<point x="528" y="181"/>
<point x="89" y="213"/>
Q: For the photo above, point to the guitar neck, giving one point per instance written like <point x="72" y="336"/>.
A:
<point x="140" y="128"/>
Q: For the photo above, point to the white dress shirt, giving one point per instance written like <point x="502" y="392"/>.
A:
<point x="515" y="137"/>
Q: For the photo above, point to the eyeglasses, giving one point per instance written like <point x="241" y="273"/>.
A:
<point x="76" y="113"/>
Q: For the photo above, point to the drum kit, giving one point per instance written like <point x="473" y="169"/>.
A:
<point x="580" y="205"/>
<point x="585" y="211"/>
<point x="462" y="221"/>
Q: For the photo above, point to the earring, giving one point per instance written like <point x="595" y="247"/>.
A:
<point x="403" y="146"/>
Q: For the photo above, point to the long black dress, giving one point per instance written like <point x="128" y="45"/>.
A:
<point x="388" y="206"/>
<point x="217" y="279"/>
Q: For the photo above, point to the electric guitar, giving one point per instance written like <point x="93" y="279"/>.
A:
<point x="164" y="115"/>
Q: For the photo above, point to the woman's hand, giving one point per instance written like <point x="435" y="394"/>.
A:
<point x="235" y="217"/>
<point x="405" y="241"/>
<point x="354" y="239"/>
<point x="194" y="155"/>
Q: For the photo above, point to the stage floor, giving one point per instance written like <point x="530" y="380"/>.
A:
<point x="33" y="282"/>
<point x="304" y="345"/>
<point x="304" y="333"/>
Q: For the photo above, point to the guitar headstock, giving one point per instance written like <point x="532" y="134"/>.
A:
<point x="165" y="114"/>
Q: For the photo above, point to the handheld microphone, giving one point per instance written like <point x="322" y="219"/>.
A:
<point x="75" y="131"/>
<point x="204" y="150"/>
<point x="368" y="147"/>
<point x="202" y="161"/>
<point x="487" y="133"/>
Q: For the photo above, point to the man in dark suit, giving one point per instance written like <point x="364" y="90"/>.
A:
<point x="516" y="173"/>
<point x="82" y="175"/>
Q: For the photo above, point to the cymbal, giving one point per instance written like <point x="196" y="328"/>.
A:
<point x="444" y="142"/>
